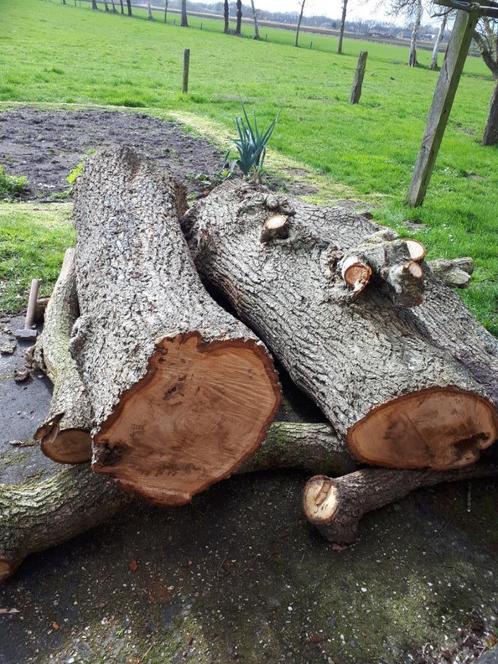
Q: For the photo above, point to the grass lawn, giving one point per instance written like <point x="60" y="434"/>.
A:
<point x="56" y="53"/>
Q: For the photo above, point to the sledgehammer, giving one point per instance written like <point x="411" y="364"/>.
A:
<point x="28" y="332"/>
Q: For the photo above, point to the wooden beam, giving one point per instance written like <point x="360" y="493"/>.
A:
<point x="449" y="77"/>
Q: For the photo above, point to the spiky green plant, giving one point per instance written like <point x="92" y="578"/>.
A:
<point x="11" y="185"/>
<point x="251" y="143"/>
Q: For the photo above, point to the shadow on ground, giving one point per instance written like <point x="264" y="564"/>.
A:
<point x="239" y="576"/>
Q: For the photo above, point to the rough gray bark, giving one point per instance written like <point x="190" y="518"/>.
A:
<point x="226" y="17"/>
<point x="368" y="364"/>
<point x="358" y="78"/>
<point x="454" y="272"/>
<point x="65" y="434"/>
<point x="343" y="26"/>
<point x="437" y="43"/>
<point x="181" y="392"/>
<point x="336" y="506"/>
<point x="238" y="17"/>
<point x="128" y="7"/>
<point x="38" y="515"/>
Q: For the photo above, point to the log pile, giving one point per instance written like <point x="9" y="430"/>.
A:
<point x="162" y="388"/>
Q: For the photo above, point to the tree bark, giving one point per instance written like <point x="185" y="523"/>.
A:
<point x="336" y="506"/>
<point x="128" y="7"/>
<point x="343" y="25"/>
<point x="412" y="58"/>
<point x="238" y="16"/>
<point x="122" y="6"/>
<point x="114" y="10"/>
<point x="226" y="17"/>
<point x="296" y="43"/>
<point x="491" y="132"/>
<point x="106" y="7"/>
<point x="165" y="10"/>
<point x="437" y="43"/>
<point x="181" y="392"/>
<point x="38" y="515"/>
<point x="184" y="21"/>
<point x="94" y="4"/>
<point x="368" y="364"/>
<point x="149" y="11"/>
<point x="64" y="436"/>
<point x="358" y="78"/>
<point x="255" y="19"/>
<point x="454" y="272"/>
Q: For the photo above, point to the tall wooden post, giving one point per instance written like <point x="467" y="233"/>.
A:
<point x="449" y="77"/>
<point x="186" y="65"/>
<point x="358" y="78"/>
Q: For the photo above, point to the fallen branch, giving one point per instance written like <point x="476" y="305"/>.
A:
<point x="37" y="515"/>
<point x="336" y="506"/>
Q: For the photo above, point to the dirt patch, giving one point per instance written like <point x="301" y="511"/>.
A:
<point x="45" y="145"/>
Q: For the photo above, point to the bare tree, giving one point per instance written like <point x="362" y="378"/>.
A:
<point x="437" y="43"/>
<point x="255" y="19"/>
<point x="184" y="22"/>
<point x="128" y="7"/>
<point x="226" y="17"/>
<point x="296" y="43"/>
<point x="165" y="10"/>
<point x="343" y="25"/>
<point x="486" y="38"/>
<point x="94" y="4"/>
<point x="149" y="11"/>
<point x="413" y="9"/>
<point x="106" y="6"/>
<point x="114" y="11"/>
<point x="238" y="24"/>
<point x="122" y="6"/>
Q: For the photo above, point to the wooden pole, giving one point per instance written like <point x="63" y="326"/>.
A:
<point x="186" y="65"/>
<point x="358" y="78"/>
<point x="442" y="102"/>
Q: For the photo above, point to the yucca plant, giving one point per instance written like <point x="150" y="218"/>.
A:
<point x="251" y="144"/>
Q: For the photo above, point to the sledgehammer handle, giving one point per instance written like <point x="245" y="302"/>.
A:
<point x="33" y="296"/>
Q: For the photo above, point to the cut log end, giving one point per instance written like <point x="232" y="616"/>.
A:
<point x="356" y="274"/>
<point x="275" y="227"/>
<point x="320" y="499"/>
<point x="416" y="250"/>
<point x="67" y="446"/>
<point x="438" y="428"/>
<point x="200" y="411"/>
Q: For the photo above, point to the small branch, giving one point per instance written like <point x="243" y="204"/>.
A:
<point x="336" y="506"/>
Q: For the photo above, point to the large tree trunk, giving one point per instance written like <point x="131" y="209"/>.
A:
<point x="128" y="7"/>
<point x="255" y="19"/>
<point x="298" y="27"/>
<point x="343" y="25"/>
<point x="38" y="515"/>
<point x="65" y="434"/>
<point x="335" y="506"/>
<point x="491" y="132"/>
<point x="437" y="43"/>
<point x="412" y="58"/>
<point x="369" y="365"/>
<point x="238" y="17"/>
<point x="94" y="4"/>
<point x="184" y="21"/>
<point x="181" y="392"/>
<point x="226" y="16"/>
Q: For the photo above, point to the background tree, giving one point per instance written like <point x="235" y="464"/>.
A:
<point x="184" y="22"/>
<point x="114" y="11"/>
<point x="486" y="38"/>
<point x="226" y="16"/>
<point x="413" y="9"/>
<point x="437" y="43"/>
<point x="122" y="6"/>
<point x="165" y="10"/>
<point x="128" y="7"/>
<point x="149" y="11"/>
<point x="106" y="6"/>
<point x="238" y="25"/>
<point x="255" y="19"/>
<point x="343" y="25"/>
<point x="299" y="23"/>
<point x="94" y="4"/>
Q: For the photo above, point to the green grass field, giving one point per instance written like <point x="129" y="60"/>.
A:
<point x="68" y="54"/>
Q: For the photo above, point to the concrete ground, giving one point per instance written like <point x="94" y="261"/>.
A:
<point x="239" y="576"/>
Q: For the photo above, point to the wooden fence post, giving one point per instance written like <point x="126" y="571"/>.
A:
<point x="186" y="65"/>
<point x="449" y="77"/>
<point x="358" y="77"/>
